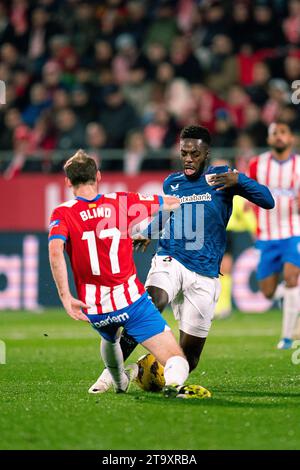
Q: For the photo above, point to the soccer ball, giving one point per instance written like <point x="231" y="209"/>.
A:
<point x="151" y="374"/>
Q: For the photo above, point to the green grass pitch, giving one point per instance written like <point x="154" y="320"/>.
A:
<point x="52" y="361"/>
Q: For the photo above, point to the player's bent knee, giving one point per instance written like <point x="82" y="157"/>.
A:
<point x="159" y="297"/>
<point x="163" y="346"/>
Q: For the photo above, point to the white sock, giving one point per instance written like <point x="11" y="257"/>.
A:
<point x="290" y="311"/>
<point x="113" y="359"/>
<point x="279" y="292"/>
<point x="176" y="370"/>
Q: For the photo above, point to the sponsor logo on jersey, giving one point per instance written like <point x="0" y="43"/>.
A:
<point x="174" y="187"/>
<point x="196" y="198"/>
<point x="110" y="320"/>
<point x="54" y="223"/>
<point x="167" y="259"/>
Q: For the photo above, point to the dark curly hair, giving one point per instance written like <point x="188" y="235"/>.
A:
<point x="196" y="132"/>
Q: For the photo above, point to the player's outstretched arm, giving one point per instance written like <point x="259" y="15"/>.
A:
<point x="244" y="186"/>
<point x="60" y="274"/>
<point x="142" y="239"/>
<point x="255" y="192"/>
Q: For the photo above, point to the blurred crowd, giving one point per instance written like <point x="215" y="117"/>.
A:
<point x="129" y="74"/>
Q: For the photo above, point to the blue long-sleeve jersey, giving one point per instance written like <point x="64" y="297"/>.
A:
<point x="195" y="234"/>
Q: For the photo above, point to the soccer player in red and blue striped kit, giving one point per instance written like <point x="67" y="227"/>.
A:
<point x="278" y="234"/>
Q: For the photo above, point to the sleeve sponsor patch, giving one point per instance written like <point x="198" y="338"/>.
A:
<point x="54" y="223"/>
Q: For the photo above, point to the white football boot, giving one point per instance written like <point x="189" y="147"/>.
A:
<point x="105" y="382"/>
<point x="285" y="343"/>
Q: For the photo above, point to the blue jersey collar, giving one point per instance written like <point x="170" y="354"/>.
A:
<point x="282" y="161"/>
<point x="89" y="200"/>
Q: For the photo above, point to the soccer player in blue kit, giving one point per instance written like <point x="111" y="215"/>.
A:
<point x="191" y="244"/>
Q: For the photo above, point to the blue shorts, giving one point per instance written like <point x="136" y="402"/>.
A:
<point x="141" y="319"/>
<point x="275" y="253"/>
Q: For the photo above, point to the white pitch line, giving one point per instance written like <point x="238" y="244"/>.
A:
<point x="87" y="335"/>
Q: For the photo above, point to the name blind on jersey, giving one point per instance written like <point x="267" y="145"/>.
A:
<point x="95" y="213"/>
